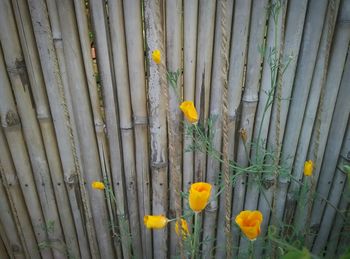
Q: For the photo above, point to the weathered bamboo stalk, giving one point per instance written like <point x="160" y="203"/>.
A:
<point x="336" y="173"/>
<point x="326" y="108"/>
<point x="12" y="128"/>
<point x="61" y="115"/>
<point x="9" y="227"/>
<point x="87" y="139"/>
<point x="5" y="242"/>
<point x="126" y="124"/>
<point x="223" y="23"/>
<point x="136" y="65"/>
<point x="18" y="206"/>
<point x="302" y="82"/>
<point x="190" y="47"/>
<point x="235" y="85"/>
<point x="158" y="96"/>
<point x="174" y="63"/>
<point x="318" y="81"/>
<point x="275" y="40"/>
<point x="20" y="85"/>
<point x="46" y="124"/>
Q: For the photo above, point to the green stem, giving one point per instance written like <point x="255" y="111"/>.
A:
<point x="195" y="236"/>
<point x="251" y="249"/>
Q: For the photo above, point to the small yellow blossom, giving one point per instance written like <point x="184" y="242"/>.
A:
<point x="156" y="56"/>
<point x="156" y="221"/>
<point x="244" y="135"/>
<point x="184" y="228"/>
<point x="249" y="222"/>
<point x="190" y="112"/>
<point x="308" y="168"/>
<point x="98" y="185"/>
<point x="199" y="196"/>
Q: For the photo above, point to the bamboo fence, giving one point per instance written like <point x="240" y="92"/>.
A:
<point x="82" y="100"/>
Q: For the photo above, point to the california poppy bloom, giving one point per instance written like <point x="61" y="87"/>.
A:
<point x="249" y="222"/>
<point x="156" y="56"/>
<point x="156" y="221"/>
<point x="98" y="185"/>
<point x="308" y="168"/>
<point x="190" y="112"/>
<point x="184" y="228"/>
<point x="199" y="196"/>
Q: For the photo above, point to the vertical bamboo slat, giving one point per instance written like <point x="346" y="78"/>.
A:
<point x="21" y="88"/>
<point x="157" y="94"/>
<point x="326" y="108"/>
<point x="18" y="206"/>
<point x="126" y="123"/>
<point x="135" y="54"/>
<point x="9" y="227"/>
<point x="335" y="174"/>
<point x="235" y="85"/>
<point x="46" y="124"/>
<point x="318" y="82"/>
<point x="12" y="127"/>
<point x="3" y="252"/>
<point x="174" y="63"/>
<point x="222" y="34"/>
<point x="190" y="47"/>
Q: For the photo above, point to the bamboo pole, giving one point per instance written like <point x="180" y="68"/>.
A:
<point x="5" y="242"/>
<point x="83" y="117"/>
<point x="319" y="139"/>
<point x="344" y="239"/>
<point x="318" y="81"/>
<point x="12" y="128"/>
<point x="249" y="106"/>
<point x="126" y="123"/>
<point x="18" y="206"/>
<point x="46" y="124"/>
<point x="3" y="252"/>
<point x="190" y="50"/>
<point x="20" y="85"/>
<point x="275" y="39"/>
<point x="338" y="223"/>
<point x="136" y="65"/>
<point x="223" y="21"/>
<point x="302" y="82"/>
<point x="61" y="115"/>
<point x="335" y="174"/>
<point x="174" y="63"/>
<point x="158" y="96"/>
<point x="9" y="227"/>
<point x="239" y="50"/>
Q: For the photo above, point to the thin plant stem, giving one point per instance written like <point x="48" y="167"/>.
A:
<point x="195" y="236"/>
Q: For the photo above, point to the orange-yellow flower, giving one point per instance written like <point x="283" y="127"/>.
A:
<point x="199" y="196"/>
<point x="156" y="221"/>
<point x="98" y="185"/>
<point x="190" y="112"/>
<point x="308" y="168"/>
<point x="249" y="222"/>
<point x="184" y="228"/>
<point x="156" y="56"/>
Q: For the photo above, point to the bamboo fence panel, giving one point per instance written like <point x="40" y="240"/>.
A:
<point x="174" y="64"/>
<point x="318" y="141"/>
<point x="47" y="69"/>
<point x="318" y="81"/>
<point x="16" y="200"/>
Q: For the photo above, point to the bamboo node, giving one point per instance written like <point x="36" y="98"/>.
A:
<point x="140" y="120"/>
<point x="12" y="119"/>
<point x="158" y="165"/>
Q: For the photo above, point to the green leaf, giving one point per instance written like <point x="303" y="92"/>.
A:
<point x="297" y="254"/>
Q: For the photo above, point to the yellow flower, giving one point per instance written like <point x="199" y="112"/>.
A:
<point x="249" y="222"/>
<point x="156" y="56"/>
<point x="308" y="168"/>
<point x="156" y="222"/>
<point x="190" y="112"/>
<point x="184" y="228"/>
<point x="98" y="185"/>
<point x="244" y="134"/>
<point x="199" y="196"/>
